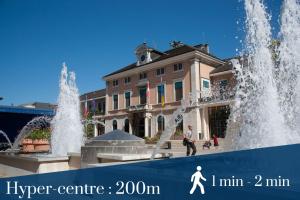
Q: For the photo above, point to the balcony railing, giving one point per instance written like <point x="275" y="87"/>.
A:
<point x="216" y="95"/>
<point x="140" y="107"/>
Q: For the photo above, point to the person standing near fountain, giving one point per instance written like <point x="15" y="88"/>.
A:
<point x="190" y="142"/>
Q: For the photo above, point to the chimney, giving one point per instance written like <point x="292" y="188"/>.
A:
<point x="206" y="48"/>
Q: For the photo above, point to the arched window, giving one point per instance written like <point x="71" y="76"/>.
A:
<point x="160" y="123"/>
<point x="126" y="125"/>
<point x="115" y="125"/>
<point x="179" y="128"/>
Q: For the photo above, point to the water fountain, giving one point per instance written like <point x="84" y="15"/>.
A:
<point x="67" y="134"/>
<point x="6" y="137"/>
<point x="266" y="87"/>
<point x="36" y="123"/>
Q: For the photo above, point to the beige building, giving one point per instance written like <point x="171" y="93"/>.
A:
<point x="140" y="98"/>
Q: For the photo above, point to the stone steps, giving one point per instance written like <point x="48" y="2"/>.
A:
<point x="177" y="144"/>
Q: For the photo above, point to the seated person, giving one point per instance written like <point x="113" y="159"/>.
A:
<point x="206" y="144"/>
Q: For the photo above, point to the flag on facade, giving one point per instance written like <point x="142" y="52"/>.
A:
<point x="86" y="112"/>
<point x="162" y="94"/>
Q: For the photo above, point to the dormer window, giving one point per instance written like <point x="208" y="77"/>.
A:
<point x="143" y="75"/>
<point x="115" y="83"/>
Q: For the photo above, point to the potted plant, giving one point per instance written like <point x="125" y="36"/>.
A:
<point x="41" y="139"/>
<point x="27" y="144"/>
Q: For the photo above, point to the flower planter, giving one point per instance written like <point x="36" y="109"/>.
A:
<point x="41" y="145"/>
<point x="40" y="141"/>
<point x="27" y="145"/>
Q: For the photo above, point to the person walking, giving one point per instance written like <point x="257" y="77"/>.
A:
<point x="190" y="142"/>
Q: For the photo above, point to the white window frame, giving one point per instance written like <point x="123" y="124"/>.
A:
<point x="130" y="91"/>
<point x="113" y="105"/>
<point x="159" y="75"/>
<point x="114" y="82"/>
<point x="139" y="103"/>
<point x="202" y="85"/>
<point x="181" y="70"/>
<point x="144" y="78"/>
<point x="112" y="123"/>
<point x="174" y="90"/>
<point x="125" y="80"/>
<point x="160" y="115"/>
<point x="126" y="118"/>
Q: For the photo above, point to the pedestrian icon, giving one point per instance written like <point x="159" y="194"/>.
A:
<point x="196" y="178"/>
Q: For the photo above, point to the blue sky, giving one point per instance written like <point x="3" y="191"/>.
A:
<point x="96" y="37"/>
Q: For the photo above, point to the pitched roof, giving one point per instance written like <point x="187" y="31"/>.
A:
<point x="167" y="54"/>
<point x="222" y="68"/>
<point x="93" y="94"/>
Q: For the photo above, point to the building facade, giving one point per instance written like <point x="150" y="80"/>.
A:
<point x="93" y="106"/>
<point x="141" y="98"/>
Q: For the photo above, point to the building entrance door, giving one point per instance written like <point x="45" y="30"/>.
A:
<point x="138" y="124"/>
<point x="141" y="132"/>
<point x="218" y="120"/>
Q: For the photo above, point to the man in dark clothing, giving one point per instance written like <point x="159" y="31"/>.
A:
<point x="190" y="142"/>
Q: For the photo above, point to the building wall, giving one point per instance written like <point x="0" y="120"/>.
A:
<point x="197" y="117"/>
<point x="99" y="111"/>
<point x="228" y="76"/>
<point x="167" y="79"/>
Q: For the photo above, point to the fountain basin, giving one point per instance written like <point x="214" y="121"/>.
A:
<point x="116" y="146"/>
<point x="19" y="164"/>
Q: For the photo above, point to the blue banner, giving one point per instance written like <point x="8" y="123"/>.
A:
<point x="267" y="173"/>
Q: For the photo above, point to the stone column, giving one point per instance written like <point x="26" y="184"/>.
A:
<point x="195" y="77"/>
<point x="95" y="130"/>
<point x="147" y="116"/>
<point x="146" y="127"/>
<point x="106" y="103"/>
<point x="205" y="124"/>
<point x="196" y="122"/>
<point x="195" y="89"/>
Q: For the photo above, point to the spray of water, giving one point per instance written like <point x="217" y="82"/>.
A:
<point x="36" y="123"/>
<point x="6" y="137"/>
<point x="288" y="61"/>
<point x="67" y="130"/>
<point x="263" y="103"/>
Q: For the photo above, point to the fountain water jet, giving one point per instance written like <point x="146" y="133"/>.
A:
<point x="67" y="130"/>
<point x="260" y="104"/>
<point x="6" y="137"/>
<point x="35" y="123"/>
<point x="288" y="61"/>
